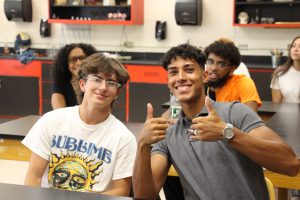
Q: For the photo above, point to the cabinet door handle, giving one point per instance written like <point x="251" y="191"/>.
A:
<point x="0" y="83"/>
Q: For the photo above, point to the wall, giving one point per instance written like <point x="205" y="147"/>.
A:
<point x="216" y="23"/>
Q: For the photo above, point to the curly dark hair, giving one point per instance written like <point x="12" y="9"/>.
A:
<point x="60" y="71"/>
<point x="225" y="50"/>
<point x="288" y="63"/>
<point x="185" y="51"/>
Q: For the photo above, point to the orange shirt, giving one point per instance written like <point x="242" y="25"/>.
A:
<point x="238" y="88"/>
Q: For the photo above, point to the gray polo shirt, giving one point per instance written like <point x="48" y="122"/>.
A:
<point x="214" y="170"/>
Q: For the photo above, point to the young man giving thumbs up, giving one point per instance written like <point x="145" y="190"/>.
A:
<point x="218" y="149"/>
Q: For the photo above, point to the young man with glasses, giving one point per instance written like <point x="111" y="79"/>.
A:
<point x="85" y="148"/>
<point x="224" y="86"/>
<point x="218" y="149"/>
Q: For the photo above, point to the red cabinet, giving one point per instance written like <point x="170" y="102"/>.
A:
<point x="122" y="14"/>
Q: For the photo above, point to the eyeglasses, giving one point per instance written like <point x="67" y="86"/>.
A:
<point x="98" y="81"/>
<point x="74" y="59"/>
<point x="217" y="63"/>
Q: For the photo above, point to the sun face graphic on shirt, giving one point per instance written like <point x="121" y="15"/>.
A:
<point x="73" y="172"/>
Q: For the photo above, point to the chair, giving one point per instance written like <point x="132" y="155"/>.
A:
<point x="270" y="189"/>
<point x="173" y="172"/>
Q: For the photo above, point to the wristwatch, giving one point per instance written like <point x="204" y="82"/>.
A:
<point x="227" y="132"/>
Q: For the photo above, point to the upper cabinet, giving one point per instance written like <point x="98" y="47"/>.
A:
<point x="109" y="12"/>
<point x="267" y="13"/>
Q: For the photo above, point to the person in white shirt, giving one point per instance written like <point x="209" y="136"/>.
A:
<point x="285" y="82"/>
<point x="85" y="148"/>
<point x="242" y="69"/>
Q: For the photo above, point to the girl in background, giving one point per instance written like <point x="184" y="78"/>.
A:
<point x="285" y="82"/>
<point x="64" y="73"/>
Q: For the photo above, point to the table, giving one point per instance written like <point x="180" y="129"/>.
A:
<point x="12" y="132"/>
<point x="266" y="107"/>
<point x="18" y="127"/>
<point x="21" y="126"/>
<point x="17" y="192"/>
<point x="284" y="120"/>
<point x="287" y="125"/>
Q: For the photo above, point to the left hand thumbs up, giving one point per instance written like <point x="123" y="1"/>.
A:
<point x="208" y="128"/>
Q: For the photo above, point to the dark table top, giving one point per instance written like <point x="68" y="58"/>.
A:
<point x="18" y="127"/>
<point x="21" y="126"/>
<point x="285" y="121"/>
<point x="287" y="125"/>
<point x="270" y="107"/>
<point x="21" y="192"/>
<point x="267" y="107"/>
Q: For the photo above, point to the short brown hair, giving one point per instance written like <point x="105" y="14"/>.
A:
<point x="99" y="63"/>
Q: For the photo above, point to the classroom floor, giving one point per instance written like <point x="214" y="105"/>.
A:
<point x="12" y="171"/>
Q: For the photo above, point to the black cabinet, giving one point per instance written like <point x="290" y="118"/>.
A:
<point x="143" y="93"/>
<point x="119" y="106"/>
<point x="148" y="84"/>
<point x="262" y="79"/>
<point x="268" y="13"/>
<point x="19" y="96"/>
<point x="46" y="87"/>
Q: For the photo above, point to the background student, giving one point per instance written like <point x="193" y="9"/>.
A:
<point x="223" y="58"/>
<point x="285" y="82"/>
<point x="64" y="73"/>
<point x="242" y="68"/>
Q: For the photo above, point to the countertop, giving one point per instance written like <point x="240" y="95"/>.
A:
<point x="148" y="58"/>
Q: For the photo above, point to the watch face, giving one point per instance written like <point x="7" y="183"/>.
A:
<point x="228" y="133"/>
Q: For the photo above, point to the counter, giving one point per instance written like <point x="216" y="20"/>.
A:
<point x="151" y="58"/>
<point x="148" y="83"/>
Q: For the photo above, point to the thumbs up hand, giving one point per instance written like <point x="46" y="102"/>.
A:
<point x="208" y="128"/>
<point x="154" y="129"/>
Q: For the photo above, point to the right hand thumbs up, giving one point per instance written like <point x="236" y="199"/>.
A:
<point x="154" y="128"/>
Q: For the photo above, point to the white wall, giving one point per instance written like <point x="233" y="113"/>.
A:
<point x="216" y="23"/>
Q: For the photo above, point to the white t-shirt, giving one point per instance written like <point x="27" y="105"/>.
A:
<point x="242" y="69"/>
<point x="289" y="85"/>
<point x="82" y="157"/>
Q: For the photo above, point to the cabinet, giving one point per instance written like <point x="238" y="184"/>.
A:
<point x="148" y="84"/>
<point x="262" y="79"/>
<point x="121" y="13"/>
<point x="261" y="13"/>
<point x="19" y="88"/>
<point x="46" y="87"/>
<point x="19" y="96"/>
<point x="24" y="89"/>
